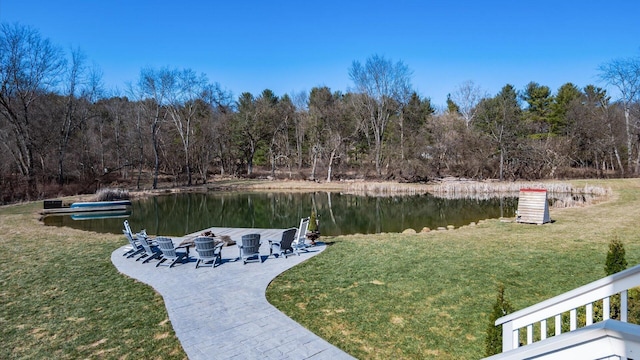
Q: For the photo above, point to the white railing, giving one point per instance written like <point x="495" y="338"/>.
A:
<point x="582" y="297"/>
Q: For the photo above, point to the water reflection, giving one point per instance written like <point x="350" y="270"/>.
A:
<point x="179" y="214"/>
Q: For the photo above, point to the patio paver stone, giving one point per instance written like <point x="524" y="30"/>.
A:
<point x="223" y="313"/>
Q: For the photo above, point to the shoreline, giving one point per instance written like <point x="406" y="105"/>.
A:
<point x="447" y="188"/>
<point x="444" y="188"/>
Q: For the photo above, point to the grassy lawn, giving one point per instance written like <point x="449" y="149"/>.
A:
<point x="429" y="295"/>
<point x="382" y="296"/>
<point x="60" y="296"/>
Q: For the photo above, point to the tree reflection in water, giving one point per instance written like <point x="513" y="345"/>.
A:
<point x="339" y="213"/>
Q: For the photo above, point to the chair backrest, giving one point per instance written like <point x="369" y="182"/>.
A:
<point x="287" y="238"/>
<point x="166" y="246"/>
<point x="250" y="244"/>
<point x="301" y="236"/>
<point x="206" y="247"/>
<point x="143" y="239"/>
<point x="127" y="228"/>
<point x="129" y="237"/>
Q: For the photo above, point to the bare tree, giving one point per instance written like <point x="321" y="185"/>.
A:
<point x="300" y="101"/>
<point x="185" y="105"/>
<point x="83" y="87"/>
<point x="320" y="108"/>
<point x="330" y="127"/>
<point x="591" y="131"/>
<point x="448" y="143"/>
<point x="385" y="86"/>
<point x="467" y="97"/>
<point x="30" y="66"/>
<point x="119" y="114"/>
<point x="152" y="93"/>
<point x="624" y="74"/>
<point x="211" y="140"/>
<point x="341" y="130"/>
<point x="280" y="149"/>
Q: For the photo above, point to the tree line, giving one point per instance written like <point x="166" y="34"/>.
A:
<point x="62" y="131"/>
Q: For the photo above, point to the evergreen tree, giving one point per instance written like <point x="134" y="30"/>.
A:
<point x="452" y="107"/>
<point x="313" y="224"/>
<point x="493" y="341"/>
<point x="539" y="100"/>
<point x="567" y="94"/>
<point x="499" y="118"/>
<point x="616" y="261"/>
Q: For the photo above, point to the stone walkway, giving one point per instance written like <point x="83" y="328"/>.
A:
<point x="222" y="313"/>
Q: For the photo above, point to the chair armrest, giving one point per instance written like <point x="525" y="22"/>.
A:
<point x="185" y="247"/>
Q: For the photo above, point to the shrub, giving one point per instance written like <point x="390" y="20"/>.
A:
<point x="108" y="194"/>
<point x="634" y="306"/>
<point x="313" y="224"/>
<point x="493" y="341"/>
<point x="616" y="261"/>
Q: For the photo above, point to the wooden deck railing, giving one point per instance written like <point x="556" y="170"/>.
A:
<point x="569" y="302"/>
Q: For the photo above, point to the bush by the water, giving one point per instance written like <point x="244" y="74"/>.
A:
<point x="108" y="194"/>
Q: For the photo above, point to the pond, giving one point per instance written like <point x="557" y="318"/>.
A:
<point x="339" y="214"/>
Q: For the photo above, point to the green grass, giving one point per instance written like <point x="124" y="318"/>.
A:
<point x="60" y="296"/>
<point x="430" y="295"/>
<point x="382" y="296"/>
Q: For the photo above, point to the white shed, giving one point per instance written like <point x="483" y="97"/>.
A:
<point x="533" y="207"/>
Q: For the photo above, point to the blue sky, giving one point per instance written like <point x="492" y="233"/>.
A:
<point x="291" y="46"/>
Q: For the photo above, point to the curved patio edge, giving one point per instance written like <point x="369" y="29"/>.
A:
<point x="223" y="313"/>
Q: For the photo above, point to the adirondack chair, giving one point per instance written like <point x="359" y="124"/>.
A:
<point x="300" y="243"/>
<point x="280" y="247"/>
<point x="249" y="248"/>
<point x="151" y="250"/>
<point x="136" y="247"/>
<point x="169" y="251"/>
<point x="208" y="251"/>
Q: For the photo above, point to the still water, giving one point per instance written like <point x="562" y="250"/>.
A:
<point x="339" y="214"/>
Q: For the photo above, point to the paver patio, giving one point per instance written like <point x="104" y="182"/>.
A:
<point x="222" y="313"/>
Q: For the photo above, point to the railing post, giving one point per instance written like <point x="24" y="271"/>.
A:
<point x="624" y="307"/>
<point x="507" y="336"/>
<point x="587" y="296"/>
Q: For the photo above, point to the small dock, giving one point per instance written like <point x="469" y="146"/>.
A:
<point x="78" y="210"/>
<point x="56" y="207"/>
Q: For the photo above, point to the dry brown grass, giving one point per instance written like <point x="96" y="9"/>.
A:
<point x="449" y="186"/>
